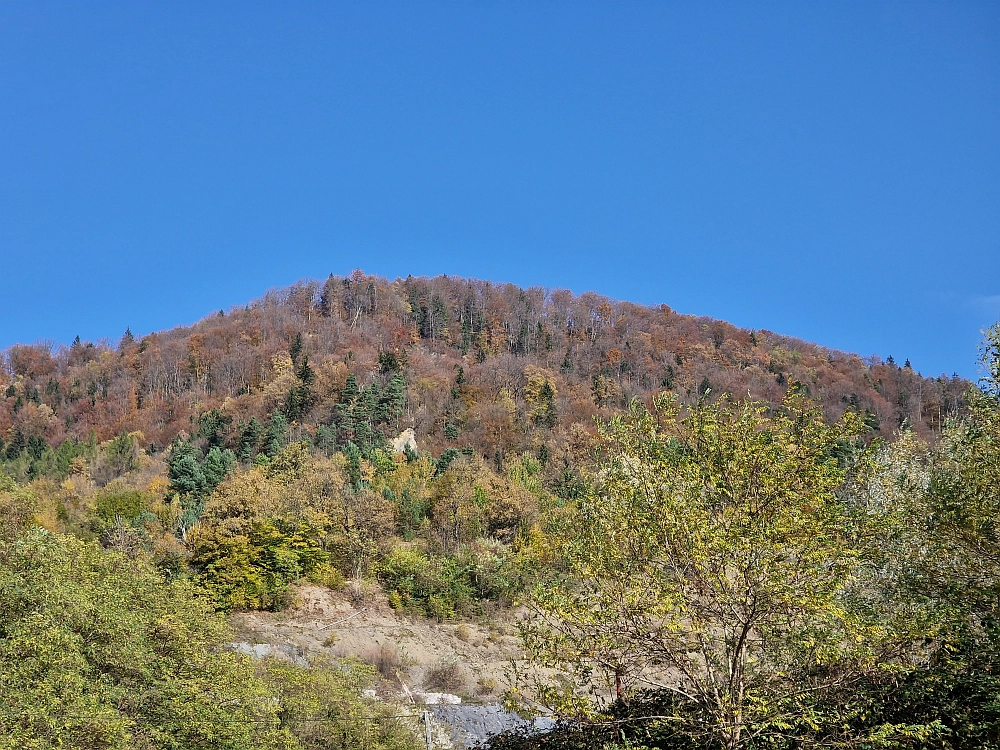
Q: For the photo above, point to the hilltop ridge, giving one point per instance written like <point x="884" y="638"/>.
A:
<point x="485" y="367"/>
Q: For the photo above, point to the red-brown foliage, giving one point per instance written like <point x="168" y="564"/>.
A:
<point x="439" y="328"/>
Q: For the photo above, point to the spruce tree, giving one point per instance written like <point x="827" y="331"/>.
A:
<point x="213" y="426"/>
<point x="326" y="439"/>
<point x="300" y="398"/>
<point x="350" y="391"/>
<point x="353" y="454"/>
<point x="217" y="464"/>
<point x="184" y="469"/>
<point x="249" y="440"/>
<point x="16" y="445"/>
<point x="392" y="401"/>
<point x="366" y="409"/>
<point x="276" y="437"/>
<point x="295" y="349"/>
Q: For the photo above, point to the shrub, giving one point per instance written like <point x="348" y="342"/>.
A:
<point x="325" y="574"/>
<point x="447" y="675"/>
<point x="128" y="505"/>
<point x="322" y="706"/>
<point x="385" y="658"/>
<point x="431" y="586"/>
<point x="486" y="685"/>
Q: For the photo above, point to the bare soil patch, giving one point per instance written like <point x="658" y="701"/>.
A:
<point x="468" y="658"/>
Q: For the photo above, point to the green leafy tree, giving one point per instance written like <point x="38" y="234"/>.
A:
<point x="249" y="570"/>
<point x="948" y="556"/>
<point x="98" y="651"/>
<point x="322" y="705"/>
<point x="718" y="561"/>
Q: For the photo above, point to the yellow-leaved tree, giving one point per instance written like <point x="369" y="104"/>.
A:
<point x="720" y="560"/>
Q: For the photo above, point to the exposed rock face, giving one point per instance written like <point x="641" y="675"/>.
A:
<point x="469" y="726"/>
<point x="407" y="439"/>
<point x="438" y="699"/>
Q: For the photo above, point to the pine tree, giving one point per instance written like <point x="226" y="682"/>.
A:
<point x="306" y="375"/>
<point x="393" y="400"/>
<point x="249" y="440"/>
<point x="36" y="446"/>
<point x="449" y="455"/>
<point x="388" y="363"/>
<point x="353" y="454"/>
<point x="276" y="437"/>
<point x="217" y="464"/>
<point x="350" y="392"/>
<point x="213" y="426"/>
<point x="547" y="408"/>
<point x="326" y="439"/>
<point x="300" y="397"/>
<point x="366" y="408"/>
<point x="295" y="350"/>
<point x="705" y="387"/>
<point x="16" y="445"/>
<point x="185" y="471"/>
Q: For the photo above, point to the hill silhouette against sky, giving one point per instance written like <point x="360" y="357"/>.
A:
<point x="475" y="365"/>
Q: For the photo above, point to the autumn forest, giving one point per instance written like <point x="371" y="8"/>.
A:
<point x="473" y="356"/>
<point x="705" y="536"/>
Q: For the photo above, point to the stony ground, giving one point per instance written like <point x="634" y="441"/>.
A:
<point x="457" y="671"/>
<point x="416" y="656"/>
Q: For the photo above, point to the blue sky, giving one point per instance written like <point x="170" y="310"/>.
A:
<point x="824" y="170"/>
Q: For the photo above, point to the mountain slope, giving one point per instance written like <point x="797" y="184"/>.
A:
<point x="486" y="367"/>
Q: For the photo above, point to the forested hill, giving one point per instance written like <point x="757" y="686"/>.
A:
<point x="469" y="365"/>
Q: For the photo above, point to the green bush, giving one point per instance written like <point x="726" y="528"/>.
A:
<point x="432" y="586"/>
<point x="253" y="570"/>
<point x="99" y="651"/>
<point x="321" y="705"/>
<point x="128" y="505"/>
<point x="325" y="574"/>
<point x="492" y="570"/>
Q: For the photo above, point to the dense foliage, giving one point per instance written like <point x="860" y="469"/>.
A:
<point x="468" y="364"/>
<point x="97" y="650"/>
<point x="744" y="580"/>
<point x="813" y="565"/>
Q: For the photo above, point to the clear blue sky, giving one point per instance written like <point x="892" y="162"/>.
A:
<point x="824" y="170"/>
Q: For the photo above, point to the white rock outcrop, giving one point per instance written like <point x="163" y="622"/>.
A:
<point x="407" y="439"/>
